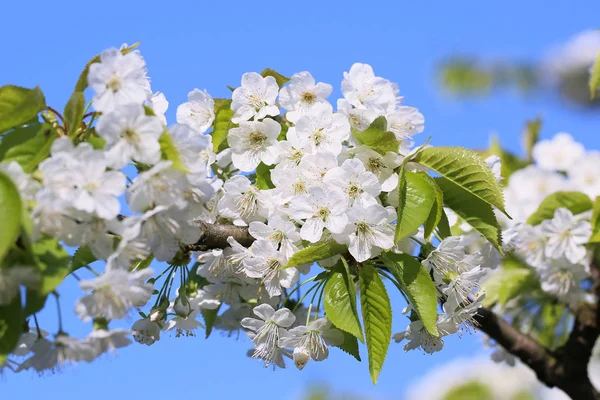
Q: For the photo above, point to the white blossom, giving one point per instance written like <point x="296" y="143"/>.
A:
<point x="321" y="210"/>
<point x="557" y="154"/>
<point x="566" y="236"/>
<point x="130" y="134"/>
<point x="253" y="142"/>
<point x="268" y="329"/>
<point x="198" y="112"/>
<point x="113" y="294"/>
<point x="118" y="80"/>
<point x="368" y="231"/>
<point x="313" y="340"/>
<point x="301" y="94"/>
<point x="255" y="98"/>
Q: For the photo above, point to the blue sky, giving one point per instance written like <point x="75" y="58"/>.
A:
<point x="189" y="44"/>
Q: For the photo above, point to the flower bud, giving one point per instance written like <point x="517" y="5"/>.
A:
<point x="301" y="357"/>
<point x="182" y="306"/>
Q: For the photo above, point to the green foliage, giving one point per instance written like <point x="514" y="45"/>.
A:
<point x="531" y="134"/>
<point x="595" y="238"/>
<point x="466" y="169"/>
<point x="377" y="137"/>
<point x="470" y="391"/>
<point x="310" y="254"/>
<point x="83" y="256"/>
<point x="11" y="326"/>
<point x="53" y="264"/>
<point x="96" y="141"/>
<point x="417" y="197"/>
<point x="549" y="320"/>
<point x="508" y="161"/>
<point x="467" y="76"/>
<point x="416" y="285"/>
<point x="73" y="113"/>
<point x="27" y="148"/>
<point x="280" y="79"/>
<point x="222" y="125"/>
<point x="82" y="82"/>
<point x="10" y="215"/>
<point x="576" y="202"/>
<point x="444" y="229"/>
<point x="17" y="136"/>
<point x="595" y="78"/>
<point x="340" y="303"/>
<point x="350" y="345"/>
<point x="507" y="283"/>
<point x="143" y="264"/>
<point x="19" y="105"/>
<point x="377" y="317"/>
<point x="434" y="219"/>
<point x="463" y="77"/>
<point x="473" y="210"/>
<point x="263" y="177"/>
<point x="169" y="152"/>
<point x="210" y="316"/>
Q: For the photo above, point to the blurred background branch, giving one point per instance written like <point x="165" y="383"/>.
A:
<point x="565" y="72"/>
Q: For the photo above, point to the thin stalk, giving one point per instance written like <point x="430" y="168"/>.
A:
<point x="60" y="325"/>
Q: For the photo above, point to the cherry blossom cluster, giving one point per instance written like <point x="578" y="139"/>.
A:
<point x="325" y="186"/>
<point x="555" y="248"/>
<point x="292" y="172"/>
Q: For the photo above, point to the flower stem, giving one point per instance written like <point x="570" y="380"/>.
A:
<point x="59" y="312"/>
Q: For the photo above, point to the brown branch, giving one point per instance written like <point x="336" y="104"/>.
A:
<point x="530" y="352"/>
<point x="566" y="367"/>
<point x="214" y="236"/>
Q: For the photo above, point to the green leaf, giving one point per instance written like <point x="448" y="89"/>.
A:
<point x="377" y="317"/>
<point x="19" y="105"/>
<point x="82" y="82"/>
<point x="280" y="79"/>
<point x="54" y="265"/>
<point x="474" y="390"/>
<point x="97" y="142"/>
<point x="16" y="137"/>
<point x="350" y="345"/>
<point x="595" y="78"/>
<point x="465" y="169"/>
<point x="263" y="177"/>
<point x="318" y="252"/>
<point x="143" y="264"/>
<point x="32" y="150"/>
<point x="509" y="163"/>
<point x="11" y="326"/>
<point x="531" y="134"/>
<point x="170" y="152"/>
<point x="472" y="210"/>
<point x="444" y="229"/>
<point x="437" y="210"/>
<point x="210" y="316"/>
<point x="284" y="130"/>
<point x="576" y="202"/>
<point x="416" y="285"/>
<point x="10" y="214"/>
<point x="505" y="284"/>
<point x="73" y="113"/>
<point x="417" y="195"/>
<point x="595" y="238"/>
<point x="222" y="125"/>
<point x="83" y="256"/>
<point x="340" y="303"/>
<point x="549" y="318"/>
<point x="377" y="137"/>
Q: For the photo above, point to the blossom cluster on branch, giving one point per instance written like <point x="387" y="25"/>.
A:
<point x="269" y="213"/>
